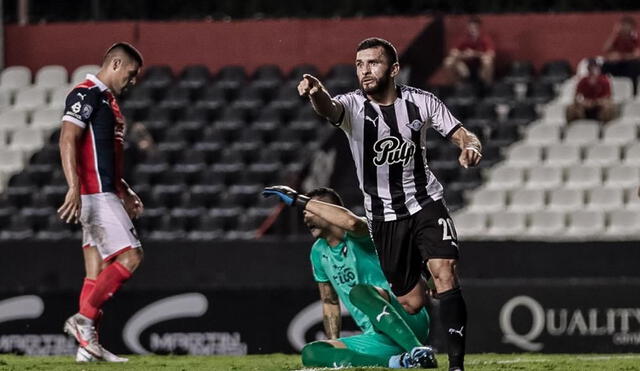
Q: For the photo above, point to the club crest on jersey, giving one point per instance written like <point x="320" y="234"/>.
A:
<point x="390" y="150"/>
<point x="415" y="125"/>
<point x="86" y="111"/>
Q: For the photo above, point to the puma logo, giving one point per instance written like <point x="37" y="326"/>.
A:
<point x="105" y="102"/>
<point x="81" y="95"/>
<point x="384" y="313"/>
<point x="454" y="331"/>
<point x="374" y="121"/>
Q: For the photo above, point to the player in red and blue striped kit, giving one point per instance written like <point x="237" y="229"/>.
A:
<point x="91" y="147"/>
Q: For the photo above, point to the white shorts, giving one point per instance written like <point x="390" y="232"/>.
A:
<point x="106" y="225"/>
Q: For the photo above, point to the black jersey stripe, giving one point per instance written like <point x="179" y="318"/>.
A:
<point x="396" y="171"/>
<point x="419" y="173"/>
<point x="370" y="170"/>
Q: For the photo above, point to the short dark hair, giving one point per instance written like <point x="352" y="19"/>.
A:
<point x="374" y="42"/>
<point x="126" y="48"/>
<point x="328" y="193"/>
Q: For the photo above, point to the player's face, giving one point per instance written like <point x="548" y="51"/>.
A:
<point x="126" y="76"/>
<point x="373" y="69"/>
<point x="317" y="226"/>
<point x="473" y="29"/>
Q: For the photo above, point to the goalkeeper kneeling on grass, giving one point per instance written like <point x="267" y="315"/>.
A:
<point x="346" y="267"/>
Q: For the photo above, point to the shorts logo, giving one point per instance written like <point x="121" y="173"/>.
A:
<point x="76" y="107"/>
<point x="415" y="125"/>
<point x="391" y="151"/>
<point x="86" y="111"/>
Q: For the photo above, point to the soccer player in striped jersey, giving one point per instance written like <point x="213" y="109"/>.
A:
<point x="91" y="148"/>
<point x="386" y="126"/>
<point x="347" y="269"/>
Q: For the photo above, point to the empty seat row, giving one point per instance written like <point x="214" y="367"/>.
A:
<point x="549" y="225"/>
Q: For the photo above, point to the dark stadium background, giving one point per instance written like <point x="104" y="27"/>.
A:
<point x="218" y="96"/>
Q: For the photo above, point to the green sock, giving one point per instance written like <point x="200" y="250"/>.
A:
<point x="323" y="354"/>
<point x="384" y="317"/>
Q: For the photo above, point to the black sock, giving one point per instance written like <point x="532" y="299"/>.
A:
<point x="453" y="316"/>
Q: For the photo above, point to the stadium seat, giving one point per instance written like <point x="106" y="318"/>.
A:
<point x="562" y="155"/>
<point x="46" y="118"/>
<point x="266" y="79"/>
<point x="582" y="132"/>
<point x="623" y="223"/>
<point x="545" y="224"/>
<point x="15" y="77"/>
<point x="542" y="135"/>
<point x="194" y="77"/>
<point x="248" y="102"/>
<point x="298" y="71"/>
<point x="565" y="199"/>
<point x="632" y="201"/>
<point x="213" y="98"/>
<point x="519" y="72"/>
<point x="206" y="194"/>
<point x="539" y="92"/>
<point x="506" y="224"/>
<point x="622" y="176"/>
<point x="555" y="112"/>
<point x="228" y="172"/>
<point x="585" y="224"/>
<point x="620" y="134"/>
<point x="500" y="92"/>
<point x="605" y="199"/>
<point x="505" y="177"/>
<point x="522" y="113"/>
<point x="583" y="177"/>
<point x="542" y="177"/>
<point x="632" y="154"/>
<point x="227" y="216"/>
<point x="230" y="79"/>
<point x="52" y="76"/>
<point x="80" y="73"/>
<point x="12" y="160"/>
<point x="524" y="155"/>
<point x="58" y="97"/>
<point x="470" y="224"/>
<point x="621" y="89"/>
<point x="27" y="139"/>
<point x="487" y="200"/>
<point x="56" y="230"/>
<point x="30" y="98"/>
<point x="18" y="229"/>
<point x="157" y="76"/>
<point x="13" y="119"/>
<point x="527" y="200"/>
<point x="556" y="71"/>
<point x="602" y="155"/>
<point x="209" y="227"/>
<point x="244" y="195"/>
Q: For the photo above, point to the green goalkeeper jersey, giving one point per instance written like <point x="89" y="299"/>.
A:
<point x="353" y="261"/>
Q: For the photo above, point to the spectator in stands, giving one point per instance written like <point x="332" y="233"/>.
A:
<point x="593" y="96"/>
<point x="473" y="55"/>
<point x="622" y="51"/>
<point x="139" y="143"/>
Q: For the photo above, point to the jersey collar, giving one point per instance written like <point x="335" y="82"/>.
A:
<point x="95" y="80"/>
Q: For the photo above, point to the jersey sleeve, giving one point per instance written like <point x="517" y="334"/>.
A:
<point x="439" y="116"/>
<point x="348" y="104"/>
<point x="319" y="275"/>
<point x="365" y="242"/>
<point x="79" y="106"/>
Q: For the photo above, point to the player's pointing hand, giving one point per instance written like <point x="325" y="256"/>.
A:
<point x="309" y="85"/>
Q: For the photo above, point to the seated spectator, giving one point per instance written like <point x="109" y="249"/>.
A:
<point x="473" y="56"/>
<point x="622" y="51"/>
<point x="593" y="96"/>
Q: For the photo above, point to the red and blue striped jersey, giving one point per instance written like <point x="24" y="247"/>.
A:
<point x="94" y="108"/>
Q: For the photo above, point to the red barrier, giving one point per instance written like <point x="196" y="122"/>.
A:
<point x="542" y="37"/>
<point x="323" y="42"/>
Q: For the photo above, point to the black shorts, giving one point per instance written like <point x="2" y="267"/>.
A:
<point x="405" y="245"/>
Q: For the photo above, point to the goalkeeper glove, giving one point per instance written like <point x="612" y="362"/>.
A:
<point x="287" y="195"/>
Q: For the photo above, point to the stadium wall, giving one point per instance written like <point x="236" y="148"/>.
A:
<point x="538" y="37"/>
<point x="287" y="42"/>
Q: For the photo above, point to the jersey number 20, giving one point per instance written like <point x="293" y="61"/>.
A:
<point x="448" y="232"/>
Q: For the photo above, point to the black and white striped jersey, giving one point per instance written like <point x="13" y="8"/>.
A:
<point x="388" y="148"/>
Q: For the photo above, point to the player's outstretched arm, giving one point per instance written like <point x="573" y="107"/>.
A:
<point x="69" y="136"/>
<point x="320" y="98"/>
<point x="334" y="214"/>
<point x="331" y="317"/>
<point x="470" y="145"/>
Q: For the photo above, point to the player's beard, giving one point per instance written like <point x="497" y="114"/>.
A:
<point x="380" y="86"/>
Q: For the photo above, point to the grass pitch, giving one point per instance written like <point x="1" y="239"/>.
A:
<point x="481" y="362"/>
